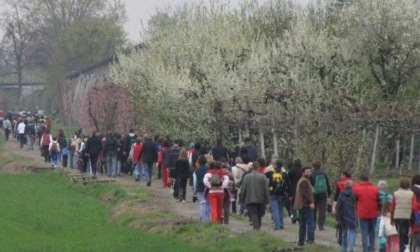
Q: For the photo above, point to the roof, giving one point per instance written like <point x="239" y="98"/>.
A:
<point x="105" y="61"/>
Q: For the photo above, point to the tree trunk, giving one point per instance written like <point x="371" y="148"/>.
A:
<point x="410" y="161"/>
<point x="275" y="143"/>
<point x="359" y="155"/>
<point x="373" y="156"/>
<point x="397" y="153"/>
<point x="262" y="143"/>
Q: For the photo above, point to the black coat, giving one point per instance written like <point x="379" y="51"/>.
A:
<point x="149" y="152"/>
<point x="182" y="168"/>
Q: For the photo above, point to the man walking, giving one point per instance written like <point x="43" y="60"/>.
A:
<point x="305" y="204"/>
<point x="367" y="196"/>
<point x="254" y="193"/>
<point x="21" y="133"/>
<point x="322" y="190"/>
<point x="149" y="155"/>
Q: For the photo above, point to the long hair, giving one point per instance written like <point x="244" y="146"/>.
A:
<point x="386" y="208"/>
<point x="183" y="154"/>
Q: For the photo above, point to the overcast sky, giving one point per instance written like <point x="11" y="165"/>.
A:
<point x="143" y="9"/>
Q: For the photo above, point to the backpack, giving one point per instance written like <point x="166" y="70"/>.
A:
<point x="279" y="186"/>
<point x="54" y="146"/>
<point x="215" y="180"/>
<point x="320" y="186"/>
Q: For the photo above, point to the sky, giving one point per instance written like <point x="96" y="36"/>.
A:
<point x="142" y="10"/>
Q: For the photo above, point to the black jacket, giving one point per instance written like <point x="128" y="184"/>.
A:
<point x="346" y="209"/>
<point x="182" y="168"/>
<point x="294" y="175"/>
<point x="149" y="152"/>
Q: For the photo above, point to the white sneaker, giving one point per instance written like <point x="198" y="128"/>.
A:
<point x="184" y="201"/>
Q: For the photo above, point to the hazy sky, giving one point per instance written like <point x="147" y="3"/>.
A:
<point x="143" y="9"/>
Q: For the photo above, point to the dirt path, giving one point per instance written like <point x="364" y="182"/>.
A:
<point x="189" y="209"/>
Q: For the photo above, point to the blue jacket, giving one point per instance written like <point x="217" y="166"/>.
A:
<point x="346" y="209"/>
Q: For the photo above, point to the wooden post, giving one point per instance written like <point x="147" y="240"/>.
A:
<point x="410" y="161"/>
<point x="397" y="153"/>
<point x="262" y="143"/>
<point x="373" y="156"/>
<point x="275" y="142"/>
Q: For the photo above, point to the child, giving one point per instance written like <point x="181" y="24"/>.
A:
<point x="54" y="149"/>
<point x="346" y="217"/>
<point x="388" y="230"/>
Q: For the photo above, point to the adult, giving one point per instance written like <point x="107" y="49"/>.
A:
<point x="163" y="163"/>
<point x="48" y="122"/>
<point x="46" y="139"/>
<point x="305" y="203"/>
<point x="220" y="151"/>
<point x="199" y="188"/>
<point x="346" y="217"/>
<point x="137" y="163"/>
<point x="171" y="157"/>
<point x="182" y="168"/>
<point x="255" y="194"/>
<point x="216" y="190"/>
<point x="61" y="139"/>
<point x="30" y="135"/>
<point x="368" y="201"/>
<point x="73" y="149"/>
<point x="84" y="154"/>
<point x="248" y="149"/>
<point x="148" y="153"/>
<point x="415" y="229"/>
<point x="110" y="151"/>
<point x="278" y="185"/>
<point x="7" y="126"/>
<point x="322" y="191"/>
<point x="402" y="205"/>
<point x="295" y="175"/>
<point x="21" y="133"/>
<point x="239" y="171"/>
<point x="93" y="147"/>
<point x="129" y="140"/>
<point x="120" y="153"/>
<point x="229" y="191"/>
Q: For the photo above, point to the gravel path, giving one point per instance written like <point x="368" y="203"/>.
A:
<point x="191" y="210"/>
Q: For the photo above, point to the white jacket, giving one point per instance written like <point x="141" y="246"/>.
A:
<point x="385" y="227"/>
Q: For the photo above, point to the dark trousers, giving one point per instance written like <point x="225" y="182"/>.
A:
<point x="64" y="159"/>
<point x="182" y="188"/>
<point x="226" y="208"/>
<point x="320" y="210"/>
<point x="85" y="162"/>
<point x="6" y="134"/>
<point x="46" y="153"/>
<point x="403" y="227"/>
<point x="22" y="139"/>
<point x="306" y="225"/>
<point x="93" y="163"/>
<point x="256" y="212"/>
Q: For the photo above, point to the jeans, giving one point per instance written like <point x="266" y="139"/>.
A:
<point x="119" y="165"/>
<point x="147" y="170"/>
<point x="276" y="203"/>
<point x="29" y="142"/>
<point x="348" y="239"/>
<point x="22" y="139"/>
<point x="306" y="225"/>
<point x="138" y="171"/>
<point x="111" y="165"/>
<point x="367" y="228"/>
<point x="73" y="164"/>
<point x="204" y="207"/>
<point x="53" y="156"/>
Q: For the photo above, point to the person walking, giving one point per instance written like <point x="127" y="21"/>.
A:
<point x="255" y="194"/>
<point x="322" y="191"/>
<point x="54" y="151"/>
<point x="21" y="133"/>
<point x="182" y="167"/>
<point x="278" y="186"/>
<point x="199" y="188"/>
<point x="110" y="151"/>
<point x="148" y="154"/>
<point x="347" y="217"/>
<point x="387" y="230"/>
<point x="220" y="151"/>
<point x="30" y="135"/>
<point x="368" y="201"/>
<point x="7" y="126"/>
<point x="94" y="147"/>
<point x="295" y="173"/>
<point x="46" y="139"/>
<point x="216" y="181"/>
<point x="402" y="205"/>
<point x="305" y="204"/>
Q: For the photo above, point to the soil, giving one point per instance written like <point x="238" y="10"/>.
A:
<point x="18" y="160"/>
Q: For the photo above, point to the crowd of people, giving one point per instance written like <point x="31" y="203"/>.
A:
<point x="225" y="182"/>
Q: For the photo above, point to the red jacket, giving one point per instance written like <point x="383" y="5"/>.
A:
<point x="368" y="201"/>
<point x="136" y="152"/>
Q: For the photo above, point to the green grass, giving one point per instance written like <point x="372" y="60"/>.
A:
<point x="43" y="213"/>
